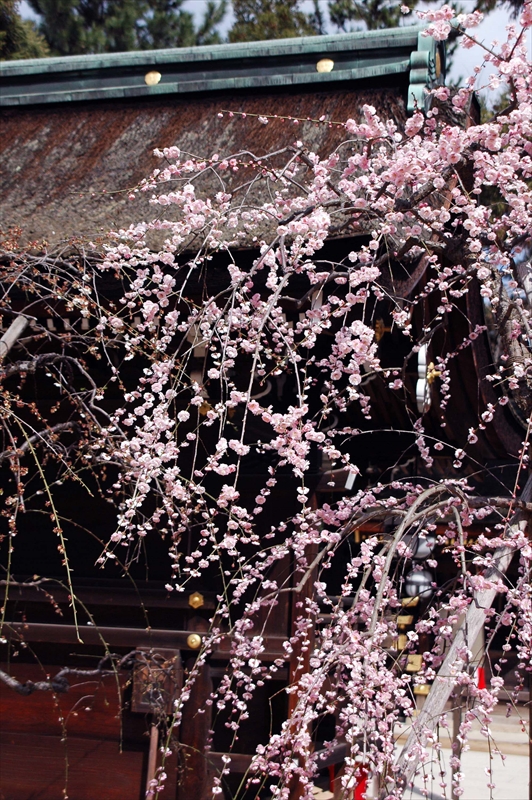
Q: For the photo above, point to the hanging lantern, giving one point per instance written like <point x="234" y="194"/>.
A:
<point x="421" y="545"/>
<point x="418" y="583"/>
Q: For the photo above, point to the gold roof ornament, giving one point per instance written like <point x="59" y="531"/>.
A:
<point x="152" y="78"/>
<point x="325" y="65"/>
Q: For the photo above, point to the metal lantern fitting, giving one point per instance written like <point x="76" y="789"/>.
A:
<point x="418" y="583"/>
<point x="424" y="546"/>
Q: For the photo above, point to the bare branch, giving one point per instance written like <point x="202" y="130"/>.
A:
<point x="43" y="437"/>
<point x="60" y="684"/>
<point x="14" y="332"/>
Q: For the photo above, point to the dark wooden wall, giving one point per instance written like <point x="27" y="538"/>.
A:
<point x="71" y="745"/>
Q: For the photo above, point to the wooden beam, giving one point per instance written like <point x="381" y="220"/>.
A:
<point x="127" y="637"/>
<point x="240" y="762"/>
<point x="118" y="637"/>
<point x="102" y="596"/>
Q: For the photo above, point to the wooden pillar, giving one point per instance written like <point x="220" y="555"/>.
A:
<point x="530" y="736"/>
<point x="193" y="780"/>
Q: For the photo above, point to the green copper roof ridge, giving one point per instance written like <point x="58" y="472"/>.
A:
<point x="366" y="40"/>
<point x="277" y="64"/>
<point x="205" y="85"/>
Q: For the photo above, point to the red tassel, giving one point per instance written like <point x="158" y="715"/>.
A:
<point x="331" y="778"/>
<point x="362" y="784"/>
<point x="481" y="678"/>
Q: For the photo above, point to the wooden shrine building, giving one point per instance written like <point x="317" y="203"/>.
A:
<point x="76" y="134"/>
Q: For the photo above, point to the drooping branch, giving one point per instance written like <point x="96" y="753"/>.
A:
<point x="456" y="658"/>
<point x="57" y="684"/>
<point x="204" y="324"/>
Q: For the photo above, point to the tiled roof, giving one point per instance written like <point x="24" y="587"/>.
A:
<point x="77" y="133"/>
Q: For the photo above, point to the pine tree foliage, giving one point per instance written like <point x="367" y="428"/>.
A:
<point x="370" y="14"/>
<point x="269" y="19"/>
<point x="18" y="38"/>
<point x="514" y="6"/>
<point x="73" y="27"/>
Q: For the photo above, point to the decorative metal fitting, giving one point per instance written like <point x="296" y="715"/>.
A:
<point x="152" y="78"/>
<point x="325" y="65"/>
<point x="404" y="620"/>
<point x="196" y="600"/>
<point x="194" y="641"/>
<point x="414" y="662"/>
